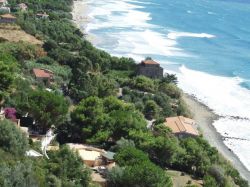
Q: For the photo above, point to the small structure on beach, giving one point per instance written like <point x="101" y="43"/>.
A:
<point x="150" y="68"/>
<point x="182" y="126"/>
<point x="43" y="75"/>
<point x="7" y="18"/>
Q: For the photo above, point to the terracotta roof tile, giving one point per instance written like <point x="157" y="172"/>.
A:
<point x="181" y="124"/>
<point x="149" y="62"/>
<point x="42" y="73"/>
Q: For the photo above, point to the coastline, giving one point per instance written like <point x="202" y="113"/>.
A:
<point x="201" y="113"/>
<point x="205" y="118"/>
<point x="80" y="12"/>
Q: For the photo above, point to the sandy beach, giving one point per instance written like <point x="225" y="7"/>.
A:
<point x="81" y="19"/>
<point x="204" y="118"/>
<point x="79" y="13"/>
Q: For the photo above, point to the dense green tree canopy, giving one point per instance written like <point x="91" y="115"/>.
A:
<point x="137" y="170"/>
<point x="68" y="166"/>
<point x="109" y="119"/>
<point x="7" y="74"/>
<point x="12" y="140"/>
<point x="47" y="108"/>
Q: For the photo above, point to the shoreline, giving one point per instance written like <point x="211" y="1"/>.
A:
<point x="201" y="113"/>
<point x="80" y="14"/>
<point x="204" y="118"/>
<point x="80" y="18"/>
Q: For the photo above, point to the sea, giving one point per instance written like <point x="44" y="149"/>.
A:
<point x="206" y="43"/>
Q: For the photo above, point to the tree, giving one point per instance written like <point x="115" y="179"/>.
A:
<point x="68" y="167"/>
<point x="151" y="110"/>
<point x="144" y="174"/>
<point x="12" y="139"/>
<point x="143" y="83"/>
<point x="122" y="143"/>
<point x="169" y="78"/>
<point x="209" y="181"/>
<point x="18" y="175"/>
<point x="99" y="120"/>
<point x="7" y="77"/>
<point x="137" y="170"/>
<point x="124" y="121"/>
<point x="129" y="156"/>
<point x="47" y="108"/>
<point x="199" y="156"/>
<point x="170" y="89"/>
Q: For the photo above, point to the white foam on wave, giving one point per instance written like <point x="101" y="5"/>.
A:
<point x="237" y="136"/>
<point x="147" y="42"/>
<point x="222" y="94"/>
<point x="176" y="35"/>
<point x="129" y="15"/>
<point x="132" y="30"/>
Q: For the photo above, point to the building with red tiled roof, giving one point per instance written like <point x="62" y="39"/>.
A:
<point x="182" y="126"/>
<point x="43" y="75"/>
<point x="150" y="68"/>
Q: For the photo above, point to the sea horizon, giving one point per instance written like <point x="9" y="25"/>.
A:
<point x="203" y="42"/>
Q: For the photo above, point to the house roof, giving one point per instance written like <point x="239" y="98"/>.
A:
<point x="89" y="154"/>
<point x="109" y="155"/>
<point x="9" y="16"/>
<point x="42" y="73"/>
<point x="181" y="124"/>
<point x="86" y="152"/>
<point x="149" y="62"/>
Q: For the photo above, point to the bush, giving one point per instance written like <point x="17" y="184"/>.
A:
<point x="12" y="139"/>
<point x="46" y="60"/>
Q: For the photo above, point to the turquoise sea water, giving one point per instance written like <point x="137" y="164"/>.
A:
<point x="206" y="43"/>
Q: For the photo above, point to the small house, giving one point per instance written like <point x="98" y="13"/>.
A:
<point x="7" y="18"/>
<point x="150" y="68"/>
<point x="43" y="75"/>
<point x="182" y="126"/>
<point x="91" y="156"/>
<point x="42" y="15"/>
